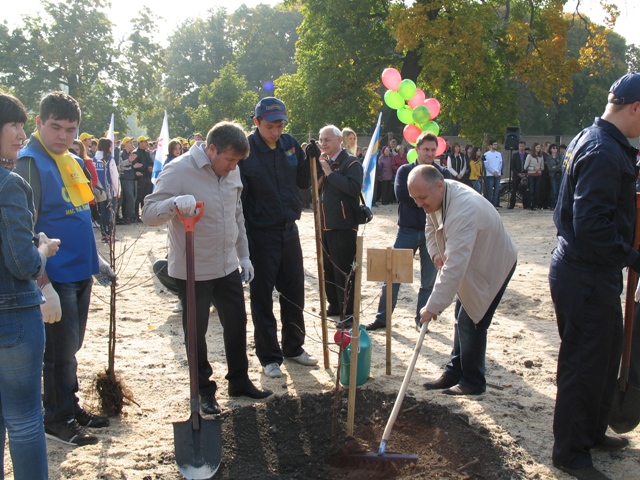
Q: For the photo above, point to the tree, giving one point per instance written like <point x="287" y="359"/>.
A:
<point x="342" y="49"/>
<point x="70" y="48"/>
<point x="227" y="98"/>
<point x="633" y="58"/>
<point x="264" y="41"/>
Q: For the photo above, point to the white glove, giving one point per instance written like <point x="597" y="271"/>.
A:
<point x="246" y="272"/>
<point x="105" y="269"/>
<point x="637" y="295"/>
<point x="186" y="205"/>
<point x="51" y="310"/>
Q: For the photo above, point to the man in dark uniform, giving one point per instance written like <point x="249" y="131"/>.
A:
<point x="595" y="217"/>
<point x="143" y="167"/>
<point x="271" y="175"/>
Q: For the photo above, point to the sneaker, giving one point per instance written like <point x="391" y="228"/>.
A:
<point x="95" y="225"/>
<point x="272" y="370"/>
<point x="70" y="433"/>
<point x="88" y="419"/>
<point x="178" y="308"/>
<point x="305" y="359"/>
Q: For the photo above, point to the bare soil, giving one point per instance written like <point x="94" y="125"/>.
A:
<point x="508" y="428"/>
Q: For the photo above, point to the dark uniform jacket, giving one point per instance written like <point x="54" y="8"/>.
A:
<point x="271" y="178"/>
<point x="340" y="193"/>
<point x="596" y="210"/>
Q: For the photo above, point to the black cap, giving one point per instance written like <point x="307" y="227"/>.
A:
<point x="625" y="90"/>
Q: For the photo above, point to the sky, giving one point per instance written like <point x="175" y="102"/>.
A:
<point x="628" y="24"/>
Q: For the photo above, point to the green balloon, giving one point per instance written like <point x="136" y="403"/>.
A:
<point x="407" y="89"/>
<point x="431" y="127"/>
<point x="421" y="114"/>
<point x="393" y="99"/>
<point x="405" y="114"/>
<point x="412" y="156"/>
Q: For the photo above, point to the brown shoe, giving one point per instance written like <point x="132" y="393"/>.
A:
<point x="462" y="390"/>
<point x="441" y="383"/>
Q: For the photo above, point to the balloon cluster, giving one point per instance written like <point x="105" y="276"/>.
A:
<point x="413" y="109"/>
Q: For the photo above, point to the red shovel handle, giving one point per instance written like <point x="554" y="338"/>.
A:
<point x="190" y="222"/>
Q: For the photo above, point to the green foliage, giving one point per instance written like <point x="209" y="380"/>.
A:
<point x="343" y="47"/>
<point x="227" y="98"/>
<point x="265" y="43"/>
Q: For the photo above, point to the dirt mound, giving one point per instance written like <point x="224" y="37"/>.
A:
<point x="290" y="438"/>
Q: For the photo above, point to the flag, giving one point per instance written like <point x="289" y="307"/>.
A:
<point x="369" y="166"/>
<point x="110" y="134"/>
<point x="162" y="149"/>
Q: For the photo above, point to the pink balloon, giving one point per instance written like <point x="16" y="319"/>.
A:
<point x="434" y="107"/>
<point x="418" y="99"/>
<point x="391" y="78"/>
<point x="442" y="146"/>
<point x="411" y="133"/>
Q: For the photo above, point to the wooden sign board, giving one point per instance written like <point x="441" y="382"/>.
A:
<point x="400" y="264"/>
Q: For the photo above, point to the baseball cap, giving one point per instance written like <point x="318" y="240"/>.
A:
<point x="126" y="140"/>
<point x="625" y="90"/>
<point x="142" y="138"/>
<point x="107" y="133"/>
<point x="271" y="109"/>
<point x="84" y="136"/>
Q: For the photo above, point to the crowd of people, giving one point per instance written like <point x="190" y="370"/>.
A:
<point x="251" y="186"/>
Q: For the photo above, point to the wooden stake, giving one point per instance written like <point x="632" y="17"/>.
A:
<point x="389" y="282"/>
<point x="320" y="258"/>
<point x="355" y="340"/>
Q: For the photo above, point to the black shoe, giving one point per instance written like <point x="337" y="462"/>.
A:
<point x="441" y="383"/>
<point x="88" y="419"/>
<point x="376" y="325"/>
<point x="250" y="391"/>
<point x="70" y="433"/>
<point x="586" y="473"/>
<point x="612" y="443"/>
<point x="462" y="390"/>
<point x="209" y="405"/>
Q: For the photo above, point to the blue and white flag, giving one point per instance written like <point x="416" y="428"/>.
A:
<point x="162" y="149"/>
<point x="369" y="166"/>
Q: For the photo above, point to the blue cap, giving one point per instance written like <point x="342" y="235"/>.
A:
<point x="625" y="90"/>
<point x="271" y="109"/>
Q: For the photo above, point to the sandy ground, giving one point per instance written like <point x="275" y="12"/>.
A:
<point x="151" y="358"/>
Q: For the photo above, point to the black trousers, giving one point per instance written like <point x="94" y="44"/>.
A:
<point x="589" y="314"/>
<point x="339" y="255"/>
<point x="145" y="187"/>
<point x="524" y="189"/>
<point x="276" y="255"/>
<point x="227" y="296"/>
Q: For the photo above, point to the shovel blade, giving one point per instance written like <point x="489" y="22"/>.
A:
<point x="625" y="411"/>
<point x="198" y="452"/>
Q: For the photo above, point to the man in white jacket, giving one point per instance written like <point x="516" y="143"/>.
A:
<point x="208" y="173"/>
<point x="476" y="258"/>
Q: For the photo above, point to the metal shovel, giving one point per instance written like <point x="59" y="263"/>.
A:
<point x="197" y="441"/>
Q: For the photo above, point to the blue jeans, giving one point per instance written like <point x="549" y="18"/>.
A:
<point x="467" y="362"/>
<point x="21" y="351"/>
<point x="414" y="239"/>
<point x="107" y="215"/>
<point x="477" y="185"/>
<point x="63" y="340"/>
<point x="492" y="185"/>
